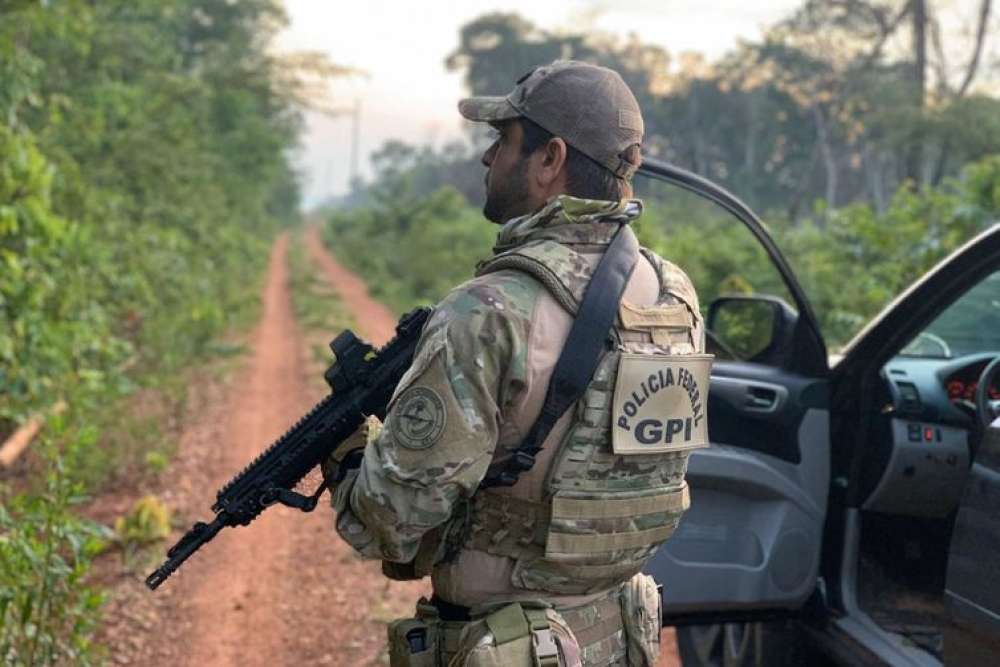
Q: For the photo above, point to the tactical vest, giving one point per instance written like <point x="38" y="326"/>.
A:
<point x="608" y="505"/>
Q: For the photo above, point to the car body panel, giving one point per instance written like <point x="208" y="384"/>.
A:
<point x="972" y="591"/>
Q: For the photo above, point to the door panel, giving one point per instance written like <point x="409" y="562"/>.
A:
<point x="972" y="591"/>
<point x="751" y="540"/>
<point x="749" y="546"/>
<point x="759" y="408"/>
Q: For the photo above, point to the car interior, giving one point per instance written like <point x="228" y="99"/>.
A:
<point x="922" y="442"/>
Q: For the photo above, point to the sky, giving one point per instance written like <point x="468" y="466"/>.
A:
<point x="401" y="45"/>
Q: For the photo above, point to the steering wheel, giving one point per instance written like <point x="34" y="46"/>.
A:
<point x="987" y="409"/>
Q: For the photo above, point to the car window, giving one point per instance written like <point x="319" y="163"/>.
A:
<point x="971" y="324"/>
<point x="722" y="258"/>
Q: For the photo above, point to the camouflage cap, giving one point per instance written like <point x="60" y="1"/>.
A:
<point x="589" y="107"/>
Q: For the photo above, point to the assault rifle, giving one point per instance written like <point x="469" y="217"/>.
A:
<point x="362" y="381"/>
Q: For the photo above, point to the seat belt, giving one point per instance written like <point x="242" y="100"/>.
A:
<point x="579" y="357"/>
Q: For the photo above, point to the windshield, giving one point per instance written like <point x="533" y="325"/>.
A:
<point x="970" y="325"/>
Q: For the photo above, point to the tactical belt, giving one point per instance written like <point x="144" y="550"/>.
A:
<point x="579" y="357"/>
<point x="597" y="626"/>
<point x="448" y="611"/>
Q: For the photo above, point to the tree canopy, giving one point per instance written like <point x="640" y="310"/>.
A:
<point x="841" y="101"/>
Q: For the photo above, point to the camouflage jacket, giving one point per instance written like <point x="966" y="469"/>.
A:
<point x="475" y="388"/>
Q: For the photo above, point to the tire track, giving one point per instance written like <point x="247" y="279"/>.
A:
<point x="236" y="615"/>
<point x="375" y="321"/>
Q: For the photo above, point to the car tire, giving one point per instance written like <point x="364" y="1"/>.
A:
<point x="741" y="645"/>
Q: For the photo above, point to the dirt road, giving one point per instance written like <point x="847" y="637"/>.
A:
<point x="376" y="322"/>
<point x="285" y="590"/>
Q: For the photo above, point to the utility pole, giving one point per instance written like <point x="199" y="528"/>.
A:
<point x="355" y="139"/>
<point x="355" y="113"/>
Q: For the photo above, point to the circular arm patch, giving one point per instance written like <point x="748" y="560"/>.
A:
<point x="420" y="418"/>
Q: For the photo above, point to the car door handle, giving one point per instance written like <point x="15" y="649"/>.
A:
<point x="762" y="399"/>
<point x="747" y="395"/>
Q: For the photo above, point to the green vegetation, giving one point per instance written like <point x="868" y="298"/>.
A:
<point x="318" y="308"/>
<point x="148" y="521"/>
<point x="317" y="305"/>
<point x="850" y="261"/>
<point x="840" y="101"/>
<point x="143" y="173"/>
<point x="857" y="260"/>
<point x="410" y="249"/>
<point x="48" y="613"/>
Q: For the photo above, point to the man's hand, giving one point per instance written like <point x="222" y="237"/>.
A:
<point x="347" y="455"/>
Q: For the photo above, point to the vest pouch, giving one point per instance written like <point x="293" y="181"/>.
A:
<point x="642" y="612"/>
<point x="413" y="642"/>
<point x="597" y="539"/>
<point x="518" y="635"/>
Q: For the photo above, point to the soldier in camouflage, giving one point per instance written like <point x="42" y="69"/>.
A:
<point x="545" y="572"/>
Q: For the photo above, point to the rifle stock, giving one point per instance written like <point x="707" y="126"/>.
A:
<point x="362" y="381"/>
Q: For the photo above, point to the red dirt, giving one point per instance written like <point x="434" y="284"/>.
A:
<point x="286" y="590"/>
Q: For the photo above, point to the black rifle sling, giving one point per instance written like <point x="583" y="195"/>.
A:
<point x="580" y="355"/>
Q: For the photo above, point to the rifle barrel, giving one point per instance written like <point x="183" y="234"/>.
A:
<point x="199" y="534"/>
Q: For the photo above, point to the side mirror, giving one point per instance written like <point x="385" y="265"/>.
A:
<point x="752" y="328"/>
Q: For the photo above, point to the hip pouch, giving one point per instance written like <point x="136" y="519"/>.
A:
<point x="415" y="642"/>
<point x="523" y="634"/>
<point x="641" y="610"/>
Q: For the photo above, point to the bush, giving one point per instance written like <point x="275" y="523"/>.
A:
<point x="411" y="250"/>
<point x="144" y="170"/>
<point x="53" y="335"/>
<point x="148" y="521"/>
<point x="47" y="611"/>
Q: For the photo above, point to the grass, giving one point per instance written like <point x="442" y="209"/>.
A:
<point x="119" y="434"/>
<point x="138" y="433"/>
<point x="318" y="308"/>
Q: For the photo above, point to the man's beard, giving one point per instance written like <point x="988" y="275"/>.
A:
<point x="509" y="198"/>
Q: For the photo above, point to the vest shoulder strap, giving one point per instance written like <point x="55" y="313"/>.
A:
<point x="537" y="260"/>
<point x="579" y="357"/>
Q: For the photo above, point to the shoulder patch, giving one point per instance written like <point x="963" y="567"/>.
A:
<point x="420" y="417"/>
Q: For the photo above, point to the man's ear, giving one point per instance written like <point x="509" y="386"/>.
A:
<point x="550" y="164"/>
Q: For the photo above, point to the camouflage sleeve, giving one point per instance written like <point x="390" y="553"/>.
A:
<point x="443" y="420"/>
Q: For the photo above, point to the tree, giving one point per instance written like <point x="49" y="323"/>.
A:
<point x="865" y="36"/>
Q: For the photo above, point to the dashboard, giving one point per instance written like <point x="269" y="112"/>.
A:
<point x="921" y="457"/>
<point x="938" y="390"/>
<point x="961" y="384"/>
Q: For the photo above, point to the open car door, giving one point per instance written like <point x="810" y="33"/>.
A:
<point x="750" y="544"/>
<point x="931" y="349"/>
<point x="751" y="540"/>
<point x="972" y="585"/>
<point x="972" y="591"/>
